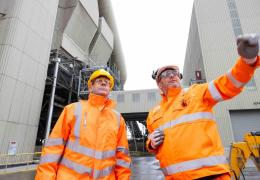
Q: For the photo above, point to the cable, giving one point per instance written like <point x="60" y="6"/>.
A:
<point x="243" y="161"/>
<point x="234" y="174"/>
<point x="242" y="174"/>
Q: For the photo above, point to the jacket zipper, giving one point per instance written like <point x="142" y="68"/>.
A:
<point x="85" y="120"/>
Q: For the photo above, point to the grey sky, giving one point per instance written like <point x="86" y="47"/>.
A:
<point x="153" y="33"/>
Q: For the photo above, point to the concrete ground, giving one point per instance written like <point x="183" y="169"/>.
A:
<point x="143" y="168"/>
<point x="146" y="168"/>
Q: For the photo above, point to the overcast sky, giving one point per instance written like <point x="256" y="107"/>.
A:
<point x="153" y="33"/>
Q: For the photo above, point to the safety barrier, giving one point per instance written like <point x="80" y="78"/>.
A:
<point x="18" y="162"/>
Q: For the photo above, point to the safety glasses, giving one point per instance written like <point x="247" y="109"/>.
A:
<point x="169" y="73"/>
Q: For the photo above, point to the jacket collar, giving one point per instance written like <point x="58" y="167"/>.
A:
<point x="100" y="101"/>
<point x="172" y="93"/>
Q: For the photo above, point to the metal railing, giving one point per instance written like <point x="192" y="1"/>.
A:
<point x="19" y="162"/>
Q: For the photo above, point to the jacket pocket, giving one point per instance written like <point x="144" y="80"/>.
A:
<point x="156" y="117"/>
<point x="155" y="120"/>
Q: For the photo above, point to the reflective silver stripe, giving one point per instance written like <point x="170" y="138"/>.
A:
<point x="194" y="164"/>
<point x="76" y="147"/>
<point x="77" y="114"/>
<point x="76" y="167"/>
<point x="86" y="170"/>
<point x="214" y="92"/>
<point x="105" y="154"/>
<point x="118" y="117"/>
<point x="54" y="142"/>
<point x="122" y="163"/>
<point x="122" y="149"/>
<point x="185" y="89"/>
<point x="234" y="81"/>
<point x="104" y="172"/>
<point x="187" y="118"/>
<point x="50" y="158"/>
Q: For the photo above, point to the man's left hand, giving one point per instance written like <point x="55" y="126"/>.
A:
<point x="248" y="47"/>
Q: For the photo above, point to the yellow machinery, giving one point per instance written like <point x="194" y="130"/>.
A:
<point x="240" y="152"/>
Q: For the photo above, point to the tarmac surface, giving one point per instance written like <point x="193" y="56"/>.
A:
<point x="146" y="168"/>
<point x="143" y="168"/>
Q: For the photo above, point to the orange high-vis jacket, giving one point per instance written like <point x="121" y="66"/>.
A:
<point x="89" y="141"/>
<point x="192" y="147"/>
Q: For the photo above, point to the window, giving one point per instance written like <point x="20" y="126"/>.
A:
<point x="238" y="31"/>
<point x="236" y="23"/>
<point x="233" y="14"/>
<point x="151" y="96"/>
<point x="136" y="97"/>
<point x="234" y="17"/>
<point x="232" y="5"/>
<point x="120" y="98"/>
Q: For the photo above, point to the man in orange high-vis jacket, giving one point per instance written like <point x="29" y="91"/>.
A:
<point x="89" y="140"/>
<point x="182" y="129"/>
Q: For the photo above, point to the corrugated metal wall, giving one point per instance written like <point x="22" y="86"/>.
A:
<point x="25" y="42"/>
<point x="218" y="48"/>
<point x="136" y="101"/>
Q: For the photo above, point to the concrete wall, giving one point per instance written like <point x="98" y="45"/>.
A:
<point x="28" y="32"/>
<point x="80" y="30"/>
<point x="25" y="42"/>
<point x="103" y="42"/>
<point x="136" y="100"/>
<point x="217" y="41"/>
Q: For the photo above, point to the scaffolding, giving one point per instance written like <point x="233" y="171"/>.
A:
<point x="61" y="88"/>
<point x="66" y="82"/>
<point x="84" y="75"/>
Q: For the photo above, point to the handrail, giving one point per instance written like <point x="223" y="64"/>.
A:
<point x="18" y="162"/>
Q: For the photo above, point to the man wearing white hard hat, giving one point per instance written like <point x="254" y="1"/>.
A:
<point x="182" y="128"/>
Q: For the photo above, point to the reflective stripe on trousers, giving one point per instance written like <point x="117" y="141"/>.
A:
<point x="194" y="164"/>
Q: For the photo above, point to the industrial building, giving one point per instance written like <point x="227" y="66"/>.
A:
<point x="46" y="48"/>
<point x="211" y="52"/>
<point x="75" y="36"/>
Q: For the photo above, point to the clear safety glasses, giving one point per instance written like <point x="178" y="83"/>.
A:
<point x="169" y="73"/>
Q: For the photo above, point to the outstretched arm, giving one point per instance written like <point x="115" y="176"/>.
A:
<point x="232" y="83"/>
